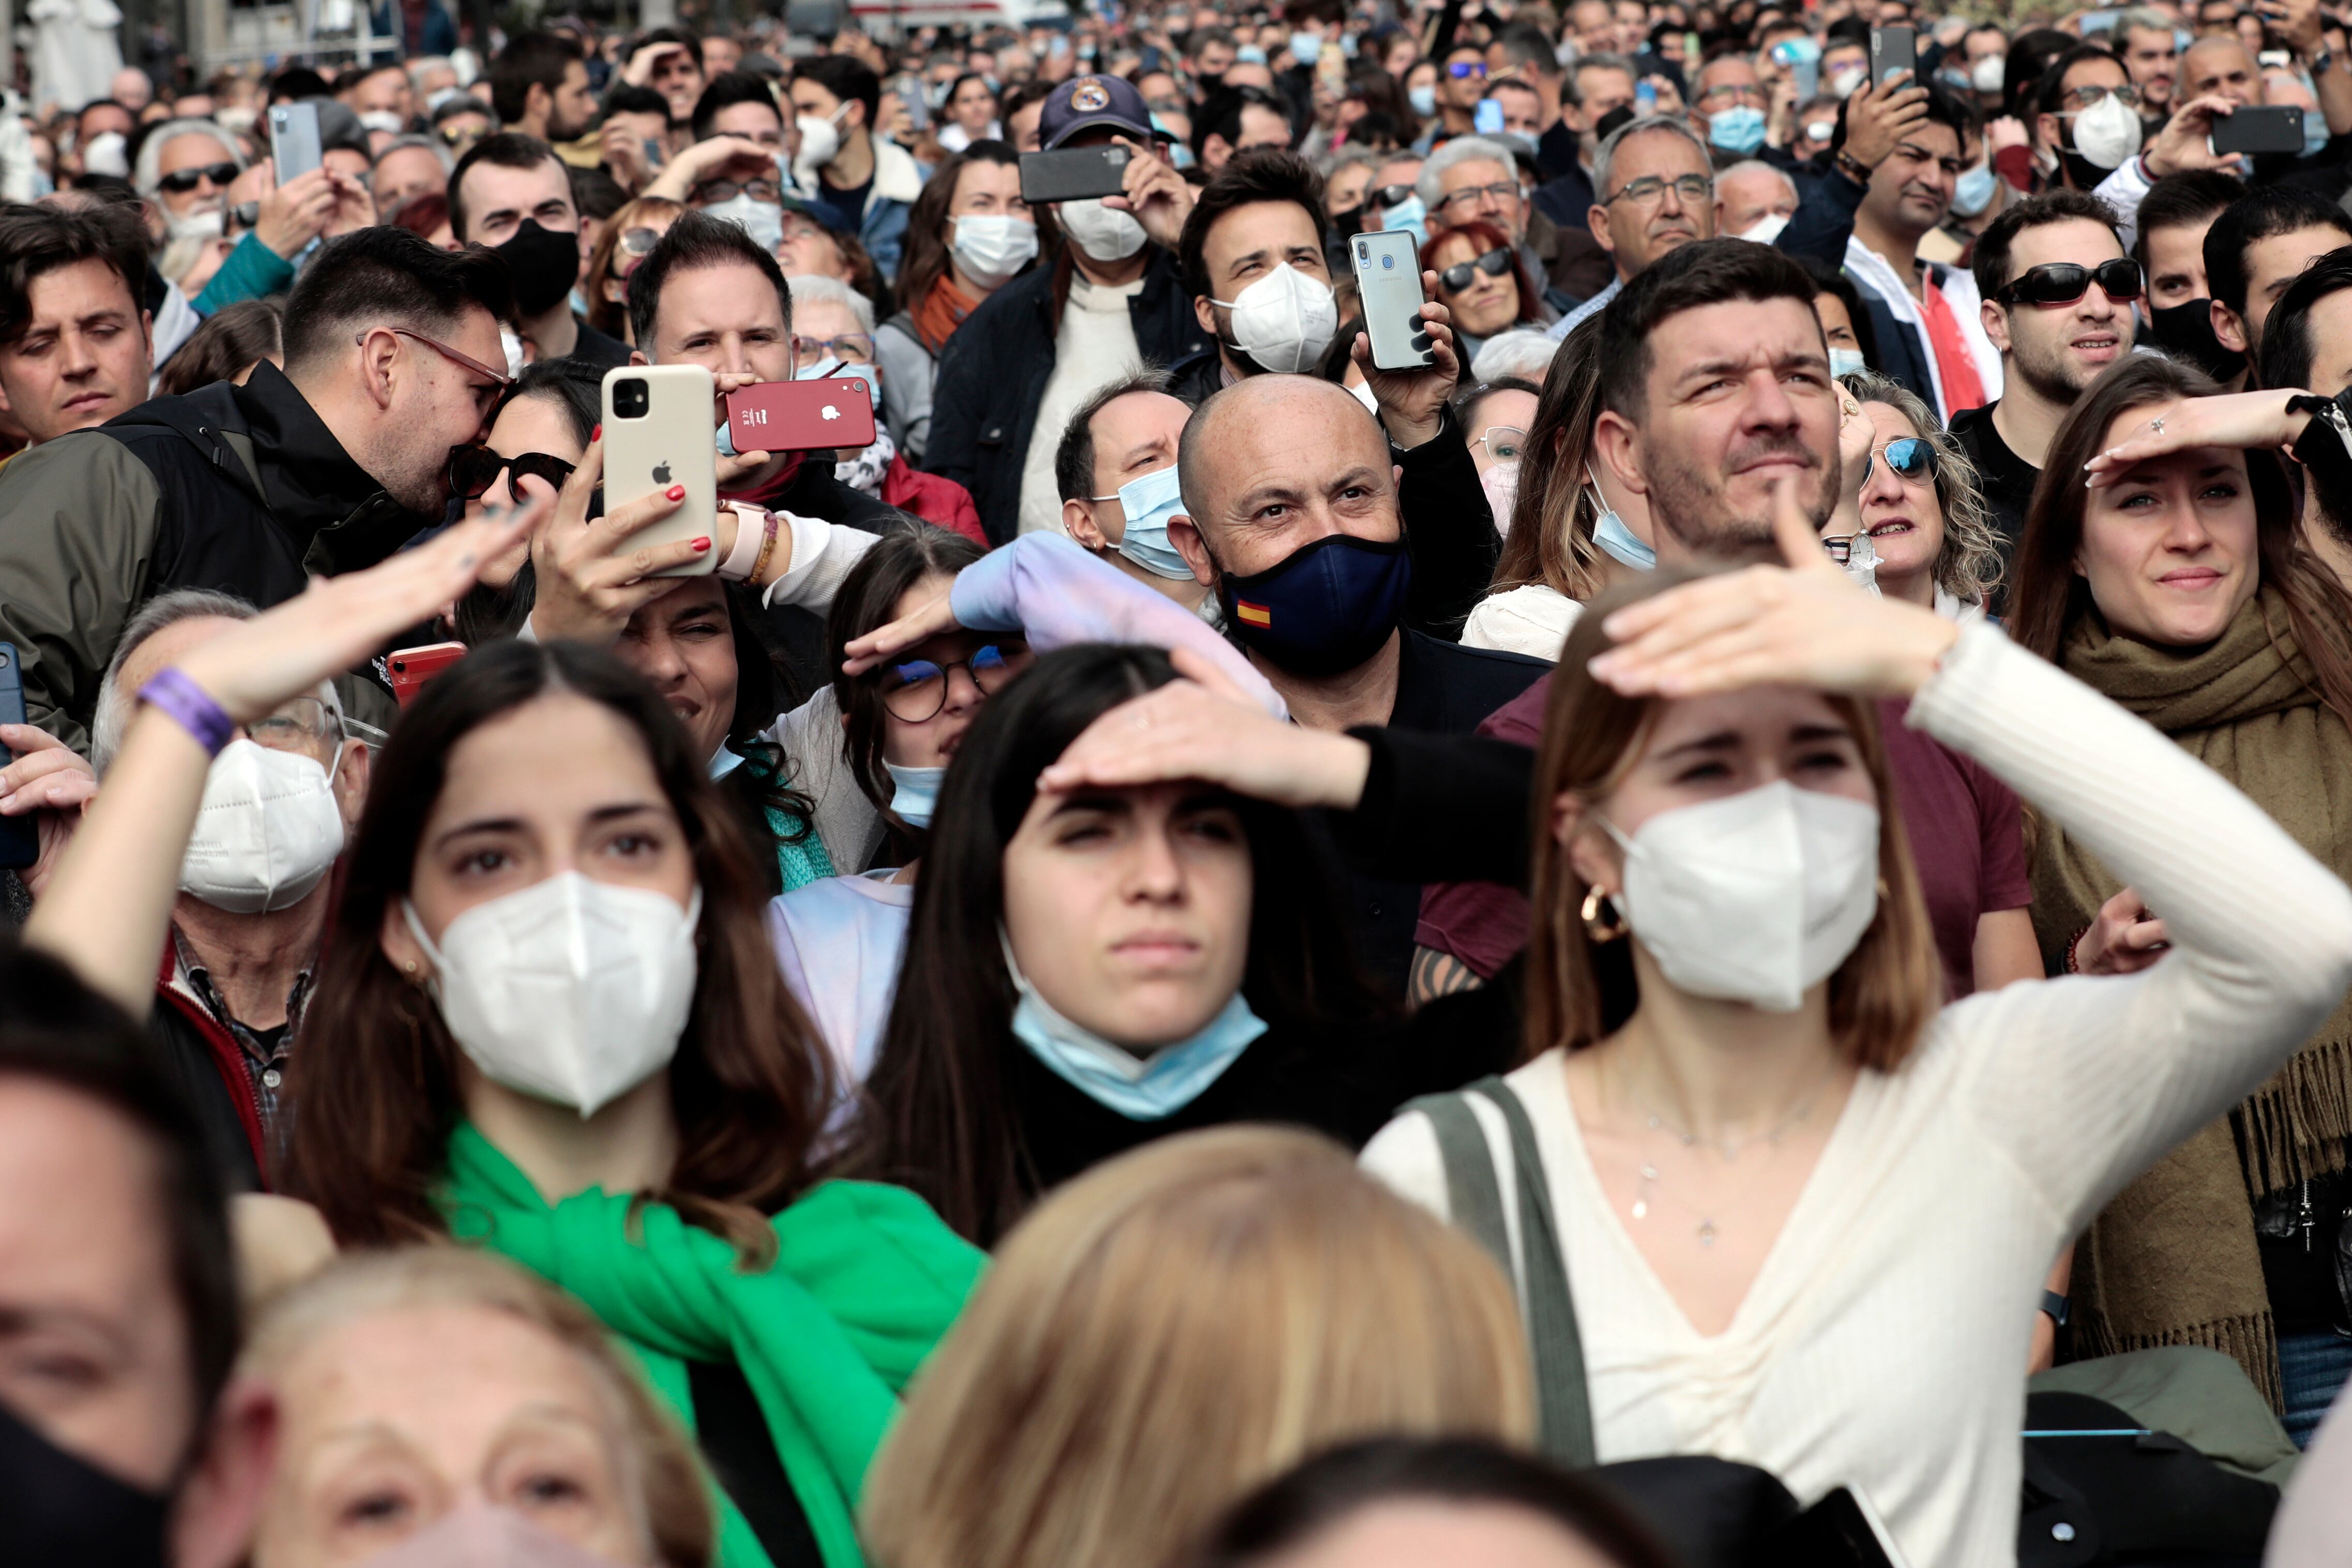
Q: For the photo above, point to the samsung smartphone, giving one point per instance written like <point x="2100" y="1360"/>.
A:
<point x="410" y="668"/>
<point x="828" y="414"/>
<point x="294" y="139"/>
<point x="1387" y="282"/>
<point x="1073" y="174"/>
<point x="20" y="837"/>
<point x="1893" y="50"/>
<point x="1486" y="120"/>
<point x="2259" y="127"/>
<point x="657" y="434"/>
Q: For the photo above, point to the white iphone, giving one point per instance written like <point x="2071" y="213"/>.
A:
<point x="658" y="424"/>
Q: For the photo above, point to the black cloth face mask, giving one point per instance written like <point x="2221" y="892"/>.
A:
<point x="544" y="263"/>
<point x="2187" y="330"/>
<point x="57" y="1507"/>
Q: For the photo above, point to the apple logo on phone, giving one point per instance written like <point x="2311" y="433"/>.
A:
<point x="661" y="473"/>
<point x="829" y="412"/>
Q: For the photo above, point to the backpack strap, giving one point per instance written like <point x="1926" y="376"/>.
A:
<point x="1475" y="1200"/>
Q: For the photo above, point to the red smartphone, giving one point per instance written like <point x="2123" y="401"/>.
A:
<point x="411" y="667"/>
<point x="831" y="415"/>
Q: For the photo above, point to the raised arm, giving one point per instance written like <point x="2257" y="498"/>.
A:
<point x="109" y="905"/>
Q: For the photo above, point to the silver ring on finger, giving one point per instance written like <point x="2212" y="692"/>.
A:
<point x="2155" y="425"/>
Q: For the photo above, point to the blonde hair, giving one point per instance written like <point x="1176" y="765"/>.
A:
<point x="1579" y="991"/>
<point x="1169" y="1329"/>
<point x="660" y="1470"/>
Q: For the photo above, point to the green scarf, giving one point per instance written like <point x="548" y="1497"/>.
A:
<point x="2172" y="1260"/>
<point x="866" y="1279"/>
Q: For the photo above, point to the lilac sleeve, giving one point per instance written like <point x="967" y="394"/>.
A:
<point x="1057" y="594"/>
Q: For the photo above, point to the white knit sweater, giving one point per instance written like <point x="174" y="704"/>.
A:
<point x="1883" y="1344"/>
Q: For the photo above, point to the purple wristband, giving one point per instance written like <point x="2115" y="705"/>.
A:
<point x="191" y="706"/>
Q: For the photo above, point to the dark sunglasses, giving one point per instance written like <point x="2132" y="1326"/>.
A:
<point x="180" y="181"/>
<point x="1392" y="195"/>
<point x="2064" y="282"/>
<point x="1461" y="69"/>
<point x="1456" y="277"/>
<point x="473" y="469"/>
<point x="1912" y="459"/>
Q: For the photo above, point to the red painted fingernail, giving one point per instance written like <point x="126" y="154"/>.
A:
<point x="596" y="435"/>
<point x="675" y="492"/>
<point x="701" y="544"/>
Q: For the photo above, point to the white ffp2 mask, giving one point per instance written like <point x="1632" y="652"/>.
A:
<point x="1105" y="234"/>
<point x="1285" y="320"/>
<point x="1756" y="898"/>
<point x="268" y="832"/>
<point x="571" y="990"/>
<point x="992" y="247"/>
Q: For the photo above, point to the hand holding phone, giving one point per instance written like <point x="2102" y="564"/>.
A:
<point x="1073" y="174"/>
<point x="832" y="413"/>
<point x="1892" y="49"/>
<point x="595" y="572"/>
<point x="20" y="837"/>
<point x="410" y="668"/>
<point x="1387" y="282"/>
<point x="294" y="143"/>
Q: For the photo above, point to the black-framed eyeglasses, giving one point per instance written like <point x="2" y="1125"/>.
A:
<point x="2064" y="282"/>
<point x="1501" y="191"/>
<point x="1649" y="190"/>
<point x="473" y="469"/>
<point x="1494" y="264"/>
<point x="180" y="181"/>
<point x="915" y="689"/>
<point x="1913" y="458"/>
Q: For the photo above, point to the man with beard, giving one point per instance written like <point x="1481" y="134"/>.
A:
<point x="1252" y="255"/>
<point x="539" y="86"/>
<point x="509" y="192"/>
<point x="2086" y="118"/>
<point x="392" y="357"/>
<point x="1654" y="189"/>
<point x="2058" y="293"/>
<point x="1715" y="389"/>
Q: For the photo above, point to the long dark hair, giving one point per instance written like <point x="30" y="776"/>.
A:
<point x="926" y="258"/>
<point x="938" y="1117"/>
<point x="371" y="1113"/>
<point x="2048" y="597"/>
<point x="1551" y="538"/>
<point x="868" y="597"/>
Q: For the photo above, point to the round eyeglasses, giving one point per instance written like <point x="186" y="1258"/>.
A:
<point x="915" y="689"/>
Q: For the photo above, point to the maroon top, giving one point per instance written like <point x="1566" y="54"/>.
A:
<point x="1966" y="829"/>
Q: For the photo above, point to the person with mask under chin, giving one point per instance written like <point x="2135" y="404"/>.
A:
<point x="1025" y="359"/>
<point x="251" y="913"/>
<point x="510" y="191"/>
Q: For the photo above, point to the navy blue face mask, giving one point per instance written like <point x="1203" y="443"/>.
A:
<point x="1328" y="607"/>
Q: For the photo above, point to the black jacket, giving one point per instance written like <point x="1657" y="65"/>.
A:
<point x="240" y="488"/>
<point x="993" y="377"/>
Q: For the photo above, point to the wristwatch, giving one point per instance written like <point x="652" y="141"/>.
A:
<point x="2322" y="63"/>
<point x="2059" y="1308"/>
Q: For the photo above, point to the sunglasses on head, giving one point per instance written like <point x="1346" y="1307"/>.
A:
<point x="1912" y="459"/>
<point x="1456" y="277"/>
<point x="2064" y="282"/>
<point x="180" y="181"/>
<point x="473" y="469"/>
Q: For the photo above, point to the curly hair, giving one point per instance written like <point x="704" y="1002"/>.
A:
<point x="1968" y="566"/>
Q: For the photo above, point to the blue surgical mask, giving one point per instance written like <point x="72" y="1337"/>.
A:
<point x="830" y="367"/>
<point x="1249" y="54"/>
<point x="1610" y="532"/>
<point x="1424" y="100"/>
<point x="1149" y="502"/>
<point x="1846" y="361"/>
<point x="917" y="794"/>
<point x="1327" y="606"/>
<point x="1305" y="47"/>
<point x="1141" y="1088"/>
<point x="1738" y="129"/>
<point x="724" y="761"/>
<point x="1410" y="215"/>
<point x="1972" y="192"/>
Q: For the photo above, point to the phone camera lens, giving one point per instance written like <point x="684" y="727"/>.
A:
<point x="631" y="398"/>
<point x="1388" y="262"/>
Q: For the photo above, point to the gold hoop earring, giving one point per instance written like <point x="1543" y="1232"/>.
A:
<point x="1592" y="926"/>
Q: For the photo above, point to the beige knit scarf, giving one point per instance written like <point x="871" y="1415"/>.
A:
<point x="2172" y="1259"/>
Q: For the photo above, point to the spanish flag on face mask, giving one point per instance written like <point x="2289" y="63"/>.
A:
<point x="1253" y="614"/>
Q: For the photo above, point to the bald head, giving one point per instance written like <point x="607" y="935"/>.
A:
<point x="1270" y="465"/>
<point x="2219" y="66"/>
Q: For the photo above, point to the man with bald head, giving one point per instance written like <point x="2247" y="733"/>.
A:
<point x="1297" y="514"/>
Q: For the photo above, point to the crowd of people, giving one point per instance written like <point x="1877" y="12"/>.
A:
<point x="1707" y="929"/>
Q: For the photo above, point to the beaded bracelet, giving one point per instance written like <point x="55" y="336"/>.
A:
<point x="191" y="706"/>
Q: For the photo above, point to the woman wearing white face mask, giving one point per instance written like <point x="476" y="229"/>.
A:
<point x="1746" y="1109"/>
<point x="560" y="1033"/>
<point x="969" y="235"/>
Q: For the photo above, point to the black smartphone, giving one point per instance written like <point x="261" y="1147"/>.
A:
<point x="20" y="837"/>
<point x="1073" y="174"/>
<point x="1893" y="50"/>
<point x="2270" y="128"/>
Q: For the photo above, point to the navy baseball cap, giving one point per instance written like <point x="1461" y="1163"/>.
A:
<point x="1087" y="102"/>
